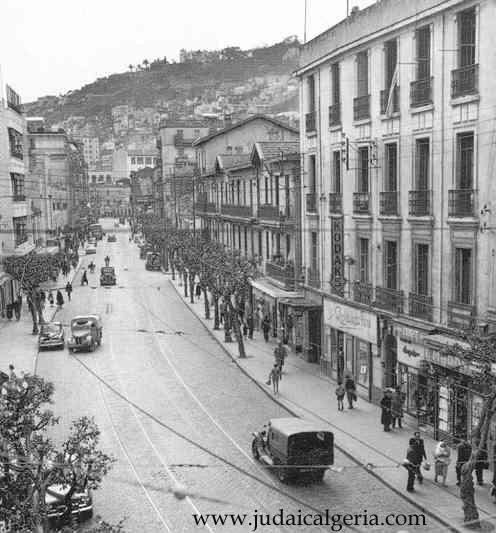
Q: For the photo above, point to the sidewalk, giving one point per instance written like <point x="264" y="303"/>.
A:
<point x="358" y="432"/>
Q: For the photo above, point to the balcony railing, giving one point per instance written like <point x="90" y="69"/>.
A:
<point x="465" y="81"/>
<point x="420" y="306"/>
<point x="335" y="203"/>
<point x="20" y="238"/>
<point x="243" y="211"/>
<point x="335" y="115"/>
<point x="283" y="273"/>
<point x="361" y="107"/>
<point x="361" y="203"/>
<point x="180" y="140"/>
<point x="388" y="203"/>
<point x="421" y="92"/>
<point x="461" y="203"/>
<point x="16" y="150"/>
<point x="310" y="122"/>
<point x="395" y="101"/>
<point x="389" y="299"/>
<point x="19" y="198"/>
<point x="13" y="99"/>
<point x="202" y="206"/>
<point x="419" y="203"/>
<point x="363" y="292"/>
<point x="269" y="212"/>
<point x="313" y="277"/>
<point x="311" y="202"/>
<point x="461" y="316"/>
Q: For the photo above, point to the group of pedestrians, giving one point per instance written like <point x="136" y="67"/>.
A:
<point x="348" y="390"/>
<point x="275" y="375"/>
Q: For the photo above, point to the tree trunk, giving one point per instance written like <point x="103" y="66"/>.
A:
<point x="216" y="313"/>
<point x="207" y="304"/>
<point x="192" y="288"/>
<point x="166" y="259"/>
<point x="237" y="329"/>
<point x="185" y="279"/>
<point x="227" y="324"/>
<point x="171" y="261"/>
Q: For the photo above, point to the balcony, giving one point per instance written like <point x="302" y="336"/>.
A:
<point x="389" y="299"/>
<point x="361" y="107"/>
<point x="363" y="292"/>
<point x="310" y="122"/>
<point x="16" y="150"/>
<point x="465" y="81"/>
<point x="395" y="101"/>
<point x="313" y="277"/>
<point x="284" y="273"/>
<point x="202" y="206"/>
<point x="311" y="202"/>
<point x="420" y="306"/>
<point x="419" y="203"/>
<point x="335" y="115"/>
<point x="335" y="203"/>
<point x="421" y="92"/>
<point x="269" y="212"/>
<point x="361" y="203"/>
<point x="242" y="211"/>
<point x="181" y="141"/>
<point x="13" y="100"/>
<point x="19" y="198"/>
<point x="461" y="316"/>
<point x="461" y="203"/>
<point x="388" y="203"/>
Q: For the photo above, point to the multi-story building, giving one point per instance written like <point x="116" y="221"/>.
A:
<point x="111" y="200"/>
<point x="248" y="200"/>
<point x="142" y="158"/>
<point x="16" y="215"/>
<point x="397" y="126"/>
<point x="91" y="147"/>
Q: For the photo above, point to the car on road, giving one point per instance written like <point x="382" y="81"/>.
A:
<point x="90" y="249"/>
<point x="294" y="447"/>
<point x="86" y="333"/>
<point x="107" y="276"/>
<point x="152" y="261"/>
<point x="112" y="237"/>
<point x="51" y="336"/>
<point x="81" y="503"/>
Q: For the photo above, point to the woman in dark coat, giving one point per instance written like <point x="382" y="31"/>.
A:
<point x="386" y="411"/>
<point x="60" y="299"/>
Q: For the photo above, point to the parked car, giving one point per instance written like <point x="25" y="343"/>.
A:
<point x="107" y="276"/>
<point x="81" y="501"/>
<point x="51" y="335"/>
<point x="111" y="237"/>
<point x="294" y="447"/>
<point x="86" y="333"/>
<point x="90" y="249"/>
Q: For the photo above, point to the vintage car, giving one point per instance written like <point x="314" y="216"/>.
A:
<point x="90" y="249"/>
<point x="81" y="502"/>
<point x="112" y="237"/>
<point x="107" y="276"/>
<point x="51" y="335"/>
<point x="86" y="333"/>
<point x="152" y="261"/>
<point x="294" y="447"/>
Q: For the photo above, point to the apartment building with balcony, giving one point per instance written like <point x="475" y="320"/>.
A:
<point x="16" y="217"/>
<point x="397" y="131"/>
<point x="247" y="197"/>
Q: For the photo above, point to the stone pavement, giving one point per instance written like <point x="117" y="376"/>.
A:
<point x="357" y="432"/>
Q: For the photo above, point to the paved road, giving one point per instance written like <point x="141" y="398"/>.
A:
<point x="188" y="382"/>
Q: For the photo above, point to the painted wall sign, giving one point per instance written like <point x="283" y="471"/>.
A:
<point x="356" y="322"/>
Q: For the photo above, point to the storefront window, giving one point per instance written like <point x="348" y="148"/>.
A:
<point x="363" y="362"/>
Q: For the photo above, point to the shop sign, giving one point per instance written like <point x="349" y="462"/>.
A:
<point x="408" y="335"/>
<point x="448" y="361"/>
<point x="356" y="322"/>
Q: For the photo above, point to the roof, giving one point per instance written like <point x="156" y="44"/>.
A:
<point x="297" y="425"/>
<point x="150" y="152"/>
<point x="183" y="123"/>
<point x="268" y="150"/>
<point x="241" y="123"/>
<point x="227" y="161"/>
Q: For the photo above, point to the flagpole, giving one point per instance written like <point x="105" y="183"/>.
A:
<point x="305" y="25"/>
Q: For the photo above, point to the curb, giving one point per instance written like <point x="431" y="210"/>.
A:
<point x="283" y="405"/>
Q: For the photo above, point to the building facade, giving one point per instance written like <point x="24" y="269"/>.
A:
<point x="397" y="126"/>
<point x="91" y="150"/>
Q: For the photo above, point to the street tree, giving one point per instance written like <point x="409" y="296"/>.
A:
<point x="32" y="464"/>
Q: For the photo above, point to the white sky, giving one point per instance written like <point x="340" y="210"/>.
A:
<point x="52" y="46"/>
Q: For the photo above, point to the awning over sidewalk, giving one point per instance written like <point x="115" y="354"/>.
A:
<point x="300" y="303"/>
<point x="273" y="291"/>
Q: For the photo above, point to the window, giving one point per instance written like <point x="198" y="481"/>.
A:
<point x="463" y="276"/>
<point x="391" y="264"/>
<point x="423" y="52"/>
<point x="133" y="161"/>
<point x="363" y="169"/>
<point x="311" y="175"/>
<point x="363" y="260"/>
<point x="238" y="149"/>
<point x="421" y="269"/>
<point x="422" y="155"/>
<point x="139" y="160"/>
<point x="276" y="190"/>
<point x="465" y="160"/>
<point x="18" y="187"/>
<point x="311" y="93"/>
<point x="238" y="192"/>
<point x="287" y="204"/>
<point x="391" y="61"/>
<point x="335" y="93"/>
<point x="246" y="240"/>
<point x="278" y="244"/>
<point x="15" y="143"/>
<point x="288" y="246"/>
<point x="466" y="37"/>
<point x="20" y="233"/>
<point x="148" y="160"/>
<point x="267" y="247"/>
<point x="362" y="62"/>
<point x="314" y="252"/>
<point x="196" y="134"/>
<point x="260" y="251"/>
<point x="391" y="167"/>
<point x="266" y="181"/>
<point x="229" y="149"/>
<point x="336" y="171"/>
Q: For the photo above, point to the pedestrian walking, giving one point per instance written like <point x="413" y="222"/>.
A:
<point x="350" y="389"/>
<point x="51" y="298"/>
<point x="397" y="401"/>
<point x="481" y="464"/>
<point x="84" y="278"/>
<point x="280" y="354"/>
<point x="420" y="455"/>
<point x="249" y="324"/>
<point x="198" y="290"/>
<point x="386" y="403"/>
<point x="274" y="378"/>
<point x="340" y="392"/>
<point x="60" y="298"/>
<point x="12" y="374"/>
<point x="411" y="465"/>
<point x="222" y="310"/>
<point x="107" y="261"/>
<point x="42" y="300"/>
<point x="266" y="327"/>
<point x="245" y="328"/>
<point x="68" y="290"/>
<point x="463" y="453"/>
<point x="442" y="459"/>
<point x="18" y="307"/>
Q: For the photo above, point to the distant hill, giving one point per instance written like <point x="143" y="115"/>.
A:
<point x="225" y="80"/>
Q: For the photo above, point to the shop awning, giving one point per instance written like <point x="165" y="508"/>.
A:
<point x="272" y="290"/>
<point x="440" y="341"/>
<point x="302" y="303"/>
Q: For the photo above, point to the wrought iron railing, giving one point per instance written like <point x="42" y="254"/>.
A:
<point x="419" y="203"/>
<point x="363" y="292"/>
<point x="361" y="107"/>
<point x="283" y="273"/>
<point x="335" y="203"/>
<point x="335" y="115"/>
<point x="421" y="92"/>
<point x="461" y="202"/>
<point x="420" y="306"/>
<point x="395" y="101"/>
<point x="311" y="202"/>
<point x="268" y="212"/>
<point x="461" y="316"/>
<point x="313" y="277"/>
<point x="310" y="122"/>
<point x="361" y="203"/>
<point x="389" y="299"/>
<point x="388" y="203"/>
<point x="242" y="211"/>
<point x="465" y="81"/>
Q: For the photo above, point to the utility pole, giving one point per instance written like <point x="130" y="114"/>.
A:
<point x="305" y="24"/>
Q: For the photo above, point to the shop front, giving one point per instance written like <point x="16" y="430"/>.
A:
<point x="351" y="347"/>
